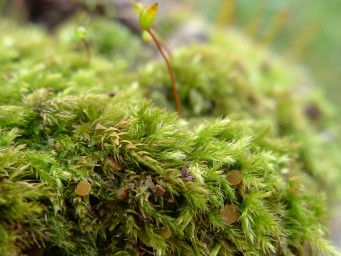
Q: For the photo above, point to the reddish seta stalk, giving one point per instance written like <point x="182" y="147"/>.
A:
<point x="87" y="50"/>
<point x="170" y="71"/>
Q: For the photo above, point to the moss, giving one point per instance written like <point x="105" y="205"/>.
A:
<point x="153" y="148"/>
<point x="155" y="184"/>
<point x="231" y="75"/>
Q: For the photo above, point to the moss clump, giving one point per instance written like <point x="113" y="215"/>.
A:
<point x="173" y="178"/>
<point x="150" y="183"/>
<point x="231" y="75"/>
<point x="21" y="221"/>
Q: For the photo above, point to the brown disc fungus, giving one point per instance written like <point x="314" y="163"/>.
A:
<point x="121" y="194"/>
<point x="113" y="163"/>
<point x="159" y="190"/>
<point x="234" y="177"/>
<point x="229" y="214"/>
<point x="58" y="146"/>
<point x="83" y="188"/>
<point x="165" y="233"/>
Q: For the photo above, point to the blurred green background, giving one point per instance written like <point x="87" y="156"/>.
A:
<point x="307" y="31"/>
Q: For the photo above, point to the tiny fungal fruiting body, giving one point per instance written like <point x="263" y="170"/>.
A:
<point x="234" y="177"/>
<point x="121" y="194"/>
<point x="83" y="188"/>
<point x="114" y="164"/>
<point x="229" y="214"/>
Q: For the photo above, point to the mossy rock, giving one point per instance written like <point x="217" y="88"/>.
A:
<point x="87" y="172"/>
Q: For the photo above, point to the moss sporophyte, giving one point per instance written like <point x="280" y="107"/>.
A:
<point x="147" y="18"/>
<point x="81" y="34"/>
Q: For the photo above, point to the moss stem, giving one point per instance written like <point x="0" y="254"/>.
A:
<point x="170" y="71"/>
<point x="87" y="50"/>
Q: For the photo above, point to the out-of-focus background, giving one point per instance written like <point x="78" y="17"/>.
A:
<point x="307" y="31"/>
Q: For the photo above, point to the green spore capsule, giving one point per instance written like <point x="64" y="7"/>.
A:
<point x="81" y="33"/>
<point x="147" y="16"/>
<point x="146" y="37"/>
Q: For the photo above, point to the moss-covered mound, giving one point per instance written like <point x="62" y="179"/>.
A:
<point x="231" y="75"/>
<point x="88" y="167"/>
<point x="98" y="176"/>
